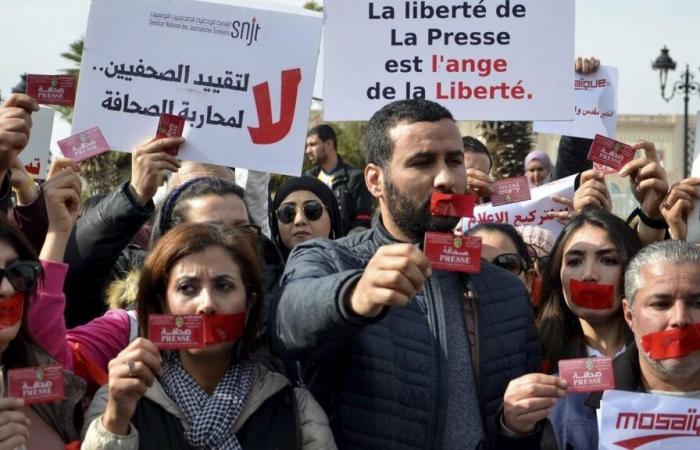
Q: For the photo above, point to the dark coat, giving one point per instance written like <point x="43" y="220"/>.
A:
<point x="383" y="381"/>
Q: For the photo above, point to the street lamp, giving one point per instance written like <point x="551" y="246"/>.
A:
<point x="684" y="86"/>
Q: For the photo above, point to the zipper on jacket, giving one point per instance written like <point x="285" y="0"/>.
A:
<point x="440" y="386"/>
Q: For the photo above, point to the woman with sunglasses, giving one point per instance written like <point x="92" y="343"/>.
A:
<point x="303" y="208"/>
<point x="211" y="397"/>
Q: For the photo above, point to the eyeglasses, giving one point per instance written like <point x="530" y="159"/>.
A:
<point x="511" y="262"/>
<point x="22" y="275"/>
<point x="312" y="210"/>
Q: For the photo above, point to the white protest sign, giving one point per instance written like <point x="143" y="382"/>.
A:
<point x="632" y="420"/>
<point x="35" y="155"/>
<point x="530" y="212"/>
<point x="493" y="60"/>
<point x="595" y="109"/>
<point x="694" y="216"/>
<point x="241" y="77"/>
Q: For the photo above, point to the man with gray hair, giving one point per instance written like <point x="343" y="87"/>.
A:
<point x="662" y="307"/>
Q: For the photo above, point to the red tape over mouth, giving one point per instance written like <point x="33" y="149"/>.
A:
<point x="11" y="310"/>
<point x="223" y="327"/>
<point x="592" y="295"/>
<point x="675" y="343"/>
<point x="454" y="205"/>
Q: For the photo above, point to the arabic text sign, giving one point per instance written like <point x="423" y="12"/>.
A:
<point x="241" y="77"/>
<point x="475" y="58"/>
<point x="35" y="155"/>
<point x="530" y="212"/>
<point x="595" y="110"/>
<point x="633" y="420"/>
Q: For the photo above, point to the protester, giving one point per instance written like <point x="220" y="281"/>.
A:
<point x="594" y="248"/>
<point x="678" y="206"/>
<point x="477" y="162"/>
<point x="215" y="397"/>
<point x="303" y="208"/>
<point x="661" y="295"/>
<point x="538" y="168"/>
<point x="346" y="182"/>
<point x="416" y="358"/>
<point x="502" y="246"/>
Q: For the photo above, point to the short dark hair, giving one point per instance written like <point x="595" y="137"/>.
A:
<point x="473" y="145"/>
<point x="324" y="132"/>
<point x="378" y="143"/>
<point x="510" y="232"/>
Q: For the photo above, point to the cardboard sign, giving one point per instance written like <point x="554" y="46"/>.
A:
<point x="52" y="89"/>
<point x="632" y="420"/>
<point x="36" y="384"/>
<point x="170" y="126"/>
<point x="242" y="78"/>
<point x="595" y="107"/>
<point x="454" y="253"/>
<point x="35" y="155"/>
<point x="84" y="145"/>
<point x="610" y="153"/>
<point x="510" y="190"/>
<point x="587" y="374"/>
<point x="475" y="59"/>
<point x="170" y="332"/>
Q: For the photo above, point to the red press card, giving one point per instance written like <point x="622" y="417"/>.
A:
<point x="176" y="332"/>
<point x="36" y="384"/>
<point x="587" y="374"/>
<point x="84" y="145"/>
<point x="510" y="190"/>
<point x="454" y="253"/>
<point x="610" y="153"/>
<point x="52" y="89"/>
<point x="170" y="126"/>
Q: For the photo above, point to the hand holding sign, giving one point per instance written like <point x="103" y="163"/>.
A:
<point x="62" y="196"/>
<point x="392" y="277"/>
<point x="15" y="125"/>
<point x="592" y="192"/>
<point x="586" y="65"/>
<point x="14" y="430"/>
<point x="679" y="205"/>
<point x="529" y="399"/>
<point x="131" y="373"/>
<point x="478" y="182"/>
<point x="647" y="180"/>
<point x="147" y="161"/>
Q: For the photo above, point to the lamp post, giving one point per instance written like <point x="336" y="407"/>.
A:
<point x="685" y="86"/>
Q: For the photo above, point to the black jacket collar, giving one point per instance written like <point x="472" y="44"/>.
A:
<point x="628" y="375"/>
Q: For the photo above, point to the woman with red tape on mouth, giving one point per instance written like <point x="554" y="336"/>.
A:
<point x="582" y="289"/>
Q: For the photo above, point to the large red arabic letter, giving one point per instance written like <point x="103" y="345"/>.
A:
<point x="269" y="132"/>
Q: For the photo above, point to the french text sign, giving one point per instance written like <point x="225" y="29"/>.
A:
<point x="493" y="60"/>
<point x="241" y="77"/>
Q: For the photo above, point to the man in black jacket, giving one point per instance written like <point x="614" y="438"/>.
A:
<point x="346" y="182"/>
<point x="407" y="357"/>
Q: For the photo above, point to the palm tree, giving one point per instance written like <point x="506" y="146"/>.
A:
<point x="509" y="143"/>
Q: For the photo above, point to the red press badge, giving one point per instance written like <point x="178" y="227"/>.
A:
<point x="592" y="295"/>
<point x="587" y="374"/>
<point x="176" y="332"/>
<point x="454" y="253"/>
<point x="84" y="145"/>
<point x="223" y="327"/>
<point x="170" y="126"/>
<point x="52" y="89"/>
<point x="11" y="310"/>
<point x="510" y="190"/>
<point x="455" y="205"/>
<point x="36" y="384"/>
<point x="675" y="343"/>
<point x="610" y="153"/>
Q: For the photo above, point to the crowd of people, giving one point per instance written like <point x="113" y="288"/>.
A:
<point x="324" y="324"/>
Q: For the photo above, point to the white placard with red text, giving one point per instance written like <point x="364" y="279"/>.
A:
<point x="35" y="155"/>
<point x="242" y="77"/>
<point x="595" y="109"/>
<point x="495" y="60"/>
<point x="530" y="212"/>
<point x="632" y="420"/>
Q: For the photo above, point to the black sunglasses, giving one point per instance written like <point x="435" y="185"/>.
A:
<point x="312" y="210"/>
<point x="511" y="262"/>
<point x="22" y="275"/>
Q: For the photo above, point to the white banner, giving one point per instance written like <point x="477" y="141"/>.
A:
<point x="631" y="420"/>
<point x="595" y="109"/>
<point x="530" y="212"/>
<point x="241" y="77"/>
<point x="694" y="216"/>
<point x="35" y="155"/>
<point x="487" y="60"/>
